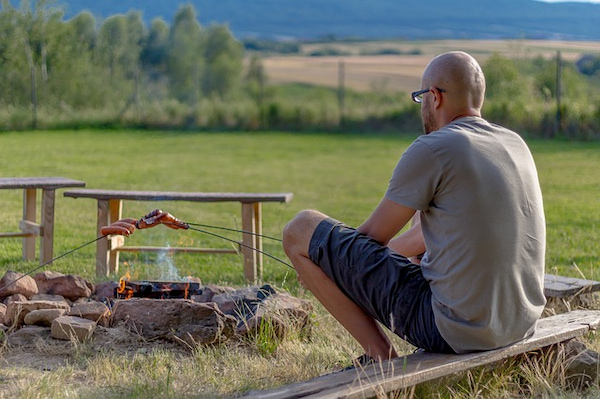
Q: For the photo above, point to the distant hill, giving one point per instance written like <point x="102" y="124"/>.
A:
<point x="429" y="19"/>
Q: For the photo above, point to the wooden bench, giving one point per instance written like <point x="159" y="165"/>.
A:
<point x="563" y="287"/>
<point x="110" y="209"/>
<point x="406" y="371"/>
<point x="29" y="228"/>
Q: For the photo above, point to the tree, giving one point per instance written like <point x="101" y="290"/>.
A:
<point x="223" y="58"/>
<point x="508" y="91"/>
<point x="77" y="81"/>
<point x="573" y="84"/>
<point x="83" y="27"/>
<point x="14" y="71"/>
<point x="111" y="43"/>
<point x="120" y="44"/>
<point x="589" y="65"/>
<point x="503" y="80"/>
<point x="184" y="56"/>
<point x="154" y="52"/>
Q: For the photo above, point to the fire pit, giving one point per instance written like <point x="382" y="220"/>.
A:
<point x="157" y="289"/>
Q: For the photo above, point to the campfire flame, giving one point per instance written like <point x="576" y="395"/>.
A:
<point x="183" y="289"/>
<point x="186" y="289"/>
<point x="125" y="291"/>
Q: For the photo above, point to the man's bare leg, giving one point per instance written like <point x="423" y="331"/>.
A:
<point x="296" y="239"/>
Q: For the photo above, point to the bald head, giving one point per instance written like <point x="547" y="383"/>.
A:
<point x="460" y="76"/>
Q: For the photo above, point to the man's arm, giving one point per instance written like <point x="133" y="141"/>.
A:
<point x="387" y="220"/>
<point x="411" y="242"/>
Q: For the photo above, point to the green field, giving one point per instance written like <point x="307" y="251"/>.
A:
<point x="342" y="175"/>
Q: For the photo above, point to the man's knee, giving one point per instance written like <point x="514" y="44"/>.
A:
<point x="298" y="232"/>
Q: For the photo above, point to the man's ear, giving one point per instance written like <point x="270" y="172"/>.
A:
<point x="437" y="98"/>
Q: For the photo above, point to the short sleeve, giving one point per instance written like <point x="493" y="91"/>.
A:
<point x="416" y="177"/>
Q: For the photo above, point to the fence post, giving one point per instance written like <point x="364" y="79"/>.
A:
<point x="558" y="93"/>
<point x="341" y="90"/>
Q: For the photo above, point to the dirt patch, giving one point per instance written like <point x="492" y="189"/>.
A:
<point x="49" y="354"/>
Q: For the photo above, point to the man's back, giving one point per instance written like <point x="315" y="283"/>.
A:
<point x="484" y="230"/>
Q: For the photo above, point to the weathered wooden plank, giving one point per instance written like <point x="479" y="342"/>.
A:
<point x="560" y="286"/>
<point x="413" y="369"/>
<point x="251" y="221"/>
<point x="47" y="232"/>
<point x="249" y="241"/>
<point x="38" y="182"/>
<point x="179" y="196"/>
<point x="29" y="215"/>
<point x="115" y="212"/>
<point x="48" y="185"/>
<point x="102" y="246"/>
<point x="30" y="228"/>
<point x="258" y="241"/>
<point x="16" y="234"/>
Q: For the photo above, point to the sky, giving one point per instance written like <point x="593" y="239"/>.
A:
<point x="578" y="1"/>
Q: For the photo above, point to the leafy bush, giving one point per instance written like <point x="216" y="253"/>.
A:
<point x="273" y="46"/>
<point x="328" y="52"/>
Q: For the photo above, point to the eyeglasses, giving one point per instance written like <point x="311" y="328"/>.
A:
<point x="417" y="96"/>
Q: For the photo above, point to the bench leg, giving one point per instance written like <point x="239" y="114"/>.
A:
<point x="47" y="242"/>
<point x="107" y="259"/>
<point x="102" y="245"/>
<point x="29" y="214"/>
<point x="258" y="239"/>
<point x="115" y="210"/>
<point x="249" y="241"/>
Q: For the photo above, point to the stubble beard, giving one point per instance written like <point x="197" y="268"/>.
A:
<point x="427" y="119"/>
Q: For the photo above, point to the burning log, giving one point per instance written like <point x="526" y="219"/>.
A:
<point x="156" y="289"/>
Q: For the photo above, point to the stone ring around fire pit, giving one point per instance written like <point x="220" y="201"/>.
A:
<point x="68" y="307"/>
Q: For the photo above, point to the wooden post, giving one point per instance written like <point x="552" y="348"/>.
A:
<point x="249" y="241"/>
<point x="33" y="99"/>
<point x="558" y="93"/>
<point x="341" y="90"/>
<point x="261" y="97"/>
<point x="29" y="54"/>
<point x="102" y="252"/>
<point x="47" y="233"/>
<point x="29" y="214"/>
<point x="115" y="210"/>
<point x="258" y="240"/>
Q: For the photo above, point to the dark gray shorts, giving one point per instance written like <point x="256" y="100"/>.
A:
<point x="385" y="284"/>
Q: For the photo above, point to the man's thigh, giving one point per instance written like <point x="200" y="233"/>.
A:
<point x="384" y="283"/>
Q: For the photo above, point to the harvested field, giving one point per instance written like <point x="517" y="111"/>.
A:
<point x="401" y="72"/>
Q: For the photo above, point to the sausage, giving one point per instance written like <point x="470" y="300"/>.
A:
<point x="159" y="217"/>
<point x="123" y="227"/>
<point x="126" y="227"/>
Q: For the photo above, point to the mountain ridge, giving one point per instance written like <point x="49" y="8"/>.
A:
<point x="434" y="19"/>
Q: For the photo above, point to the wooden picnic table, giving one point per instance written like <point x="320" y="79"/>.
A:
<point x="30" y="229"/>
<point x="110" y="209"/>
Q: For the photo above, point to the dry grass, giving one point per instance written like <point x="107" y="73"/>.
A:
<point x="119" y="364"/>
<point x="402" y="72"/>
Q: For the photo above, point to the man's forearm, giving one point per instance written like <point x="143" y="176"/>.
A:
<point x="409" y="243"/>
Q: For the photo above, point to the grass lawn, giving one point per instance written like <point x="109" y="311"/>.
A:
<point x="342" y="175"/>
